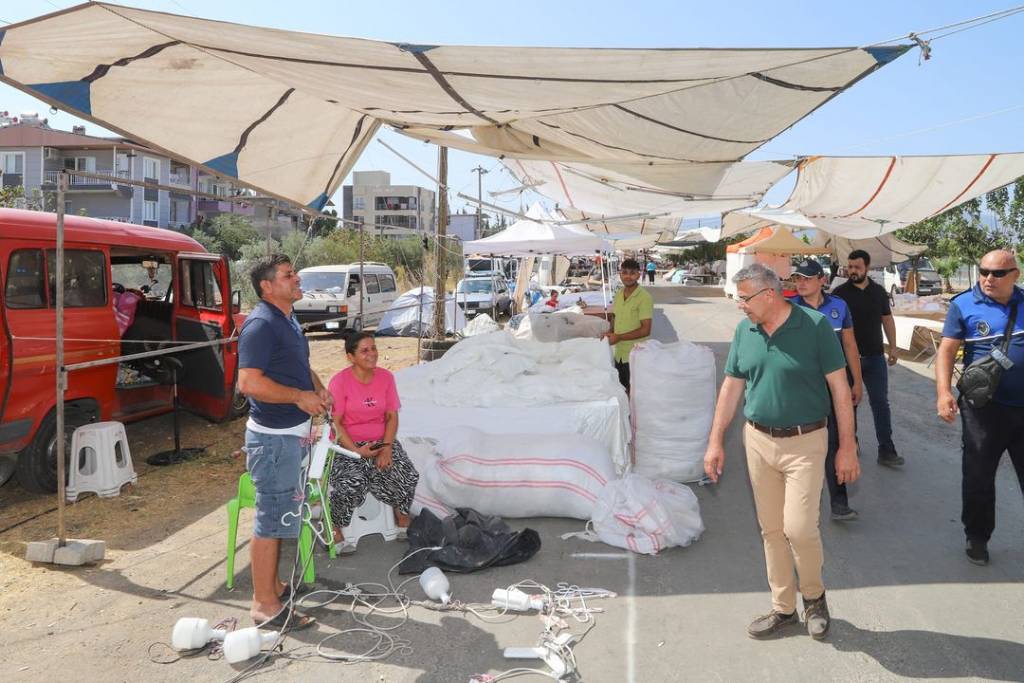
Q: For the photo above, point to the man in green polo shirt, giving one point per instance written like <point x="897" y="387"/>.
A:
<point x="633" y="310"/>
<point x="784" y="360"/>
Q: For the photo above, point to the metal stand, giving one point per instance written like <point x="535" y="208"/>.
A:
<point x="179" y="454"/>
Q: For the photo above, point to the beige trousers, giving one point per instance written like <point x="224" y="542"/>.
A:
<point x="786" y="476"/>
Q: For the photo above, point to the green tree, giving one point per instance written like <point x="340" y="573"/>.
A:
<point x="11" y="196"/>
<point x="946" y="267"/>
<point x="227" y="233"/>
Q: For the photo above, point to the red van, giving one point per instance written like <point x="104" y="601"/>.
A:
<point x="128" y="288"/>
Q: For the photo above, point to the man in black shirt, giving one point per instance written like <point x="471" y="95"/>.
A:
<point x="869" y="305"/>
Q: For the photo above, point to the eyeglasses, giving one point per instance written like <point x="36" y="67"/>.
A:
<point x="746" y="299"/>
<point x="998" y="272"/>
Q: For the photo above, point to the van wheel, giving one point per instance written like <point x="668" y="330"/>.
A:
<point x="8" y="464"/>
<point x="356" y="327"/>
<point x="37" y="464"/>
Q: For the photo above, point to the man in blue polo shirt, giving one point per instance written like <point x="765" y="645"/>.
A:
<point x="978" y="319"/>
<point x="809" y="278"/>
<point x="283" y="391"/>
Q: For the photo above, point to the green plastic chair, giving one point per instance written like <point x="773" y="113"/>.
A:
<point x="246" y="498"/>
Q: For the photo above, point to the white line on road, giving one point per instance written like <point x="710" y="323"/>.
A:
<point x="630" y="605"/>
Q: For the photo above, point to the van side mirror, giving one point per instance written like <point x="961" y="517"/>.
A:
<point x="352" y="290"/>
<point x="236" y="301"/>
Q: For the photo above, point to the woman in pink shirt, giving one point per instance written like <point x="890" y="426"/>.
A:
<point x="365" y="421"/>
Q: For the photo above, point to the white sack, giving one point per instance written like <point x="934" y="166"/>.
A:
<point x="673" y="402"/>
<point x="423" y="454"/>
<point x="520" y="475"/>
<point x="402" y="319"/>
<point x="481" y="324"/>
<point x="645" y="515"/>
<point x="560" y="326"/>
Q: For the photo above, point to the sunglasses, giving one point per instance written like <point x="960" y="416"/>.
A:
<point x="746" y="299"/>
<point x="998" y="272"/>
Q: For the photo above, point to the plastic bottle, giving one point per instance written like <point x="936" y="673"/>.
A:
<point x="191" y="633"/>
<point x="435" y="585"/>
<point x="516" y="600"/>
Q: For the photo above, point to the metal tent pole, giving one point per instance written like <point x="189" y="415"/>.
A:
<point x="61" y="373"/>
<point x="442" y="228"/>
<point x="362" y="279"/>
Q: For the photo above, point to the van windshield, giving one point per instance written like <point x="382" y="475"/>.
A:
<point x="922" y="264"/>
<point x="475" y="286"/>
<point x="323" y="282"/>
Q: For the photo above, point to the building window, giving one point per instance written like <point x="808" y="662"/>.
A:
<point x="85" y="281"/>
<point x="359" y="203"/>
<point x="150" y="168"/>
<point x="149" y="211"/>
<point x="395" y="203"/>
<point x="397" y="221"/>
<point x="87" y="164"/>
<point x="12" y="168"/>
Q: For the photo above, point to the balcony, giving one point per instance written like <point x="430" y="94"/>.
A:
<point x="76" y="182"/>
<point x="180" y="178"/>
<point x="213" y="207"/>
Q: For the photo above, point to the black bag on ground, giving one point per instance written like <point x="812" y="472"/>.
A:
<point x="980" y="379"/>
<point x="469" y="541"/>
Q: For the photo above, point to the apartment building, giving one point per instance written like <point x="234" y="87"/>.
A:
<point x="374" y="201"/>
<point x="32" y="154"/>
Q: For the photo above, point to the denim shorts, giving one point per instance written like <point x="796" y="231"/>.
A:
<point x="275" y="463"/>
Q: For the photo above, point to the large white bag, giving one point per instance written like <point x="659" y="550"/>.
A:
<point x="560" y="326"/>
<point x="520" y="475"/>
<point x="644" y="515"/>
<point x="672" y="397"/>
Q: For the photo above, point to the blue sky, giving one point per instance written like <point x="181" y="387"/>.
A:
<point x="905" y="108"/>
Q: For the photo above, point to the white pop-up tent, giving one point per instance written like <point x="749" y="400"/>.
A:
<point x="864" y="197"/>
<point x="289" y="113"/>
<point x="541" y="235"/>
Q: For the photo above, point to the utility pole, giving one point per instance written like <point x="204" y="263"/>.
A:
<point x="480" y="171"/>
<point x="442" y="225"/>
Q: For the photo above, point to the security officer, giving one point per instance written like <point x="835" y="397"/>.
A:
<point x="978" y="319"/>
<point x="809" y="279"/>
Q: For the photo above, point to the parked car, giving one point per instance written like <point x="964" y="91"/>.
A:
<point x="187" y="297"/>
<point x="489" y="295"/>
<point x="894" y="276"/>
<point x="332" y="292"/>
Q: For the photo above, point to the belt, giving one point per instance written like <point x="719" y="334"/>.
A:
<point x="796" y="430"/>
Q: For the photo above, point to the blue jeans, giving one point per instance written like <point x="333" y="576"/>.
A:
<point x="274" y="462"/>
<point x="875" y="371"/>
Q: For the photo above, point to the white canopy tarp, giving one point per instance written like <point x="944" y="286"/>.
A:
<point x="538" y="236"/>
<point x="883" y="250"/>
<point x="864" y="197"/>
<point x="288" y="113"/>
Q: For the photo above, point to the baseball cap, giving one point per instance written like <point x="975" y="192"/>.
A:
<point x="809" y="268"/>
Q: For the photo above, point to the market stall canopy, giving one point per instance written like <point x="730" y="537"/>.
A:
<point x="288" y="113"/>
<point x="864" y="197"/>
<point x="777" y="240"/>
<point x="653" y="189"/>
<point x="883" y="250"/>
<point x="539" y="236"/>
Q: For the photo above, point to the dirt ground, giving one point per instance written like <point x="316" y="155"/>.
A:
<point x="164" y="499"/>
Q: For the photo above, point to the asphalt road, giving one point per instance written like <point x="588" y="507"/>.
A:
<point x="905" y="602"/>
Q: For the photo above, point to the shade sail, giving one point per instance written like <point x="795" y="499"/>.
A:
<point x="288" y="113"/>
<point x="883" y="250"/>
<point x="863" y="197"/>
<point x="659" y="189"/>
<point x="538" y="236"/>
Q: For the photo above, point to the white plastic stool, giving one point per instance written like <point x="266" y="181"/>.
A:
<point x="372" y="517"/>
<point x="100" y="461"/>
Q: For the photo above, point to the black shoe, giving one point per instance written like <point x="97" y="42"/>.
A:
<point x="843" y="513"/>
<point x="768" y="625"/>
<point x="817" y="618"/>
<point x="977" y="552"/>
<point x="888" y="457"/>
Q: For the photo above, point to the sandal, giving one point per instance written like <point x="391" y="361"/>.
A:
<point x="288" y="620"/>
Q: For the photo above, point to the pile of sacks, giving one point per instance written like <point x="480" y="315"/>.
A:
<point x="520" y="475"/>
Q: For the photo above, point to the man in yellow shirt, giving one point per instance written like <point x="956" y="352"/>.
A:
<point x="632" y="311"/>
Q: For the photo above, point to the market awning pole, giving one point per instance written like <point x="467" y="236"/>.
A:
<point x="362" y="279"/>
<point x="62" y="186"/>
<point x="442" y="226"/>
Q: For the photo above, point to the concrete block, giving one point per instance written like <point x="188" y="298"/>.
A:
<point x="41" y="551"/>
<point x="76" y="552"/>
